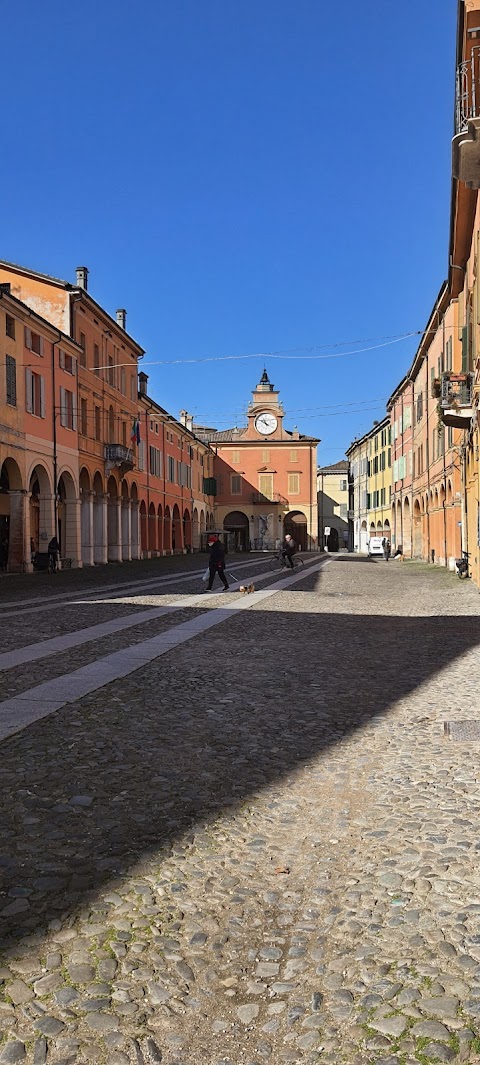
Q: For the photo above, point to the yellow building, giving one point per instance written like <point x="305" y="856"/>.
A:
<point x="332" y="495"/>
<point x="379" y="491"/>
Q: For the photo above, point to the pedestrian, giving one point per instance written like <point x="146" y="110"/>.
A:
<point x="32" y="550"/>
<point x="289" y="548"/>
<point x="53" y="550"/>
<point x="216" y="564"/>
<point x="384" y="545"/>
<point x="388" y="550"/>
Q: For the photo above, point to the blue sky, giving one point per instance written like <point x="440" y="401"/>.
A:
<point x="242" y="177"/>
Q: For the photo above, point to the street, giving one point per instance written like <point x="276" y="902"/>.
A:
<point x="240" y="829"/>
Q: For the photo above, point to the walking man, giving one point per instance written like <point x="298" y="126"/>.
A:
<point x="216" y="564"/>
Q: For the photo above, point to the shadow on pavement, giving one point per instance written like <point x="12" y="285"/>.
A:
<point x="197" y="731"/>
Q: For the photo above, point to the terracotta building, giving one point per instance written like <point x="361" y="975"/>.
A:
<point x="266" y="477"/>
<point x="38" y="436"/>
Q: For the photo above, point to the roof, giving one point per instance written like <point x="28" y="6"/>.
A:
<point x="230" y="436"/>
<point x="38" y="318"/>
<point x="340" y="467"/>
<point x="76" y="289"/>
<point x="376" y="427"/>
<point x="155" y="408"/>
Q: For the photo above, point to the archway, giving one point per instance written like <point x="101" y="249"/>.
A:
<point x="42" y="520"/>
<point x="114" y="536"/>
<point x="167" y="531"/>
<point x="143" y="527"/>
<point x="387" y="532"/>
<point x="187" y="530"/>
<point x="160" y="528"/>
<point x="177" y="537"/>
<point x="236" y="526"/>
<point x="407" y="529"/>
<point x="100" y="538"/>
<point x="417" y="530"/>
<point x="363" y="537"/>
<point x="295" y="524"/>
<point x="67" y="519"/>
<point x="398" y="526"/>
<point x="152" y="531"/>
<point x="15" y="555"/>
<point x="195" y="530"/>
<point x="379" y="528"/>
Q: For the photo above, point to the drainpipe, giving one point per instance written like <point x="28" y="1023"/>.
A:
<point x="464" y="498"/>
<point x="444" y="503"/>
<point x="427" y="460"/>
<point x="54" y="435"/>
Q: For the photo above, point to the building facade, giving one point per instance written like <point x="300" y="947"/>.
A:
<point x="370" y="478"/>
<point x="265" y="477"/>
<point x="332" y="499"/>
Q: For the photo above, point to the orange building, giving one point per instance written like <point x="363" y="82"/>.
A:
<point x="266" y="477"/>
<point x="175" y="481"/>
<point x="39" y="473"/>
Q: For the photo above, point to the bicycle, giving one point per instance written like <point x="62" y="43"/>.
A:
<point x="279" y="562"/>
<point x="461" y="565"/>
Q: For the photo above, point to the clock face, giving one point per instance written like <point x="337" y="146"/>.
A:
<point x="265" y="424"/>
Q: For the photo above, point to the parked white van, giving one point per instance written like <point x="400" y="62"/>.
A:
<point x="375" y="546"/>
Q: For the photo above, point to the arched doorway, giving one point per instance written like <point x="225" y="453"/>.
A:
<point x="143" y="527"/>
<point x="167" y="531"/>
<point x="177" y="537"/>
<point x="387" y="532"/>
<point x="333" y="543"/>
<point x="160" y="528"/>
<point x="295" y="524"/>
<point x="417" y="530"/>
<point x="236" y="527"/>
<point x="114" y="536"/>
<point x="152" y="530"/>
<point x="67" y="522"/>
<point x="363" y="537"/>
<point x="42" y="521"/>
<point x="15" y="553"/>
<point x="407" y="529"/>
<point x="195" y="530"/>
<point x="187" y="530"/>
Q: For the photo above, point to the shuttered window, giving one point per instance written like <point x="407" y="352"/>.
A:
<point x="236" y="484"/>
<point x="265" y="485"/>
<point x="34" y="394"/>
<point x="68" y="409"/>
<point x="34" y="342"/>
<point x="293" y="484"/>
<point x="83" y="417"/>
<point x="11" y="371"/>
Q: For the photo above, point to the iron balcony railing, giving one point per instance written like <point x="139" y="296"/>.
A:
<point x="273" y="497"/>
<point x="456" y="390"/>
<point x="468" y="90"/>
<point x="118" y="455"/>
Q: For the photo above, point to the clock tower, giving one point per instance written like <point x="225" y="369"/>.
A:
<point x="265" y="412"/>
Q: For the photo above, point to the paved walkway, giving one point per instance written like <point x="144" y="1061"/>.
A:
<point x="256" y="844"/>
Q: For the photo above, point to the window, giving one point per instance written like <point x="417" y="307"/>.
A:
<point x="68" y="409"/>
<point x="235" y="456"/>
<point x="67" y="362"/>
<point x="419" y="407"/>
<point x="265" y="455"/>
<point x="376" y="443"/>
<point x="10" y="326"/>
<point x="343" y="486"/>
<point x="395" y="470"/>
<point x="389" y="457"/>
<point x="156" y="428"/>
<point x="448" y="355"/>
<point x="111" y="371"/>
<point x="98" y="422"/>
<point x="96" y="359"/>
<point x="171" y="470"/>
<point x="368" y="501"/>
<point x="83" y="417"/>
<point x="34" y="342"/>
<point x="265" y="485"/>
<point x="450" y="436"/>
<point x="11" y="372"/>
<point x="133" y="387"/>
<point x="294" y="455"/>
<point x="124" y="434"/>
<point x="141" y="455"/>
<point x="83" y="344"/>
<point x="123" y="381"/>
<point x="34" y="394"/>
<point x="293" y="484"/>
<point x="343" y="510"/>
<point x="382" y="461"/>
<point x="236" y="484"/>
<point x="407" y="417"/>
<point x="155" y="462"/>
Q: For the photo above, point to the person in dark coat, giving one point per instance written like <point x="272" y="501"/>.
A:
<point x="216" y="564"/>
<point x="289" y="548"/>
<point x="53" y="552"/>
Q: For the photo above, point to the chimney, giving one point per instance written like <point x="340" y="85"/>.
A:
<point x="82" y="277"/>
<point x="142" y="383"/>
<point x="122" y="318"/>
<point x="186" y="420"/>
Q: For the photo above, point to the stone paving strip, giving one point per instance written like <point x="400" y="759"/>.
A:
<point x="260" y="850"/>
<point x="38" y="702"/>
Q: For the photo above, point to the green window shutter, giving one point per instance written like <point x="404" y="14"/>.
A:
<point x="465" y="349"/>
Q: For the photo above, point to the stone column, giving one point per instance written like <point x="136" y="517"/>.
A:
<point x="135" y="529"/>
<point x="87" y="529"/>
<point x="19" y="533"/>
<point x="72" y="532"/>
<point x="100" y="530"/>
<point x="127" y="530"/>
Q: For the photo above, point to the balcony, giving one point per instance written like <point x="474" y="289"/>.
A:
<point x="118" y="455"/>
<point x="274" y="497"/>
<point x="456" y="399"/>
<point x="466" y="142"/>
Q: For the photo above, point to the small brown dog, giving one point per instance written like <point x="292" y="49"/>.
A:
<point x="245" y="589"/>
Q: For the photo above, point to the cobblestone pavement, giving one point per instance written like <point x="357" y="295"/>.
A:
<point x="261" y="847"/>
